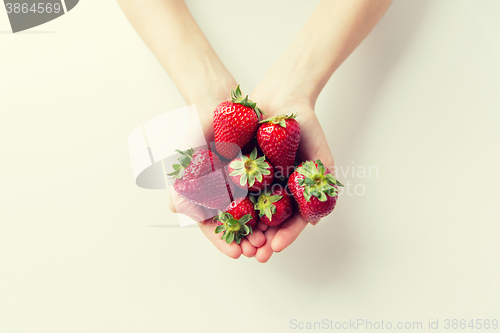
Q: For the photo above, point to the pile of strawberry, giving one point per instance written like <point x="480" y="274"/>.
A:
<point x="265" y="172"/>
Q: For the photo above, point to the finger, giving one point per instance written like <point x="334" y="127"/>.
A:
<point x="288" y="233"/>
<point x="262" y="226"/>
<point x="247" y="249"/>
<point x="257" y="238"/>
<point x="232" y="250"/>
<point x="265" y="252"/>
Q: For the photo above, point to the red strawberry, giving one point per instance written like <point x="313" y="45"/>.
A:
<point x="237" y="221"/>
<point x="251" y="172"/>
<point x="279" y="138"/>
<point x="193" y="165"/>
<point x="274" y="207"/>
<point x="235" y="124"/>
<point x="315" y="190"/>
<point x="199" y="178"/>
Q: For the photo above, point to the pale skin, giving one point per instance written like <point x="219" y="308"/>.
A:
<point x="334" y="30"/>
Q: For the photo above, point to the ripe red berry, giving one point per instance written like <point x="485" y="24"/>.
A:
<point x="235" y="124"/>
<point x="274" y="207"/>
<point x="237" y="222"/>
<point x="279" y="138"/>
<point x="199" y="178"/>
<point x="195" y="164"/>
<point x="315" y="190"/>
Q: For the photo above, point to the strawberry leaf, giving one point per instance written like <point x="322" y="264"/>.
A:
<point x="237" y="164"/>
<point x="231" y="228"/>
<point x="237" y="172"/>
<point x="253" y="154"/>
<point x="230" y="237"/>
<point x="309" y="181"/>
<point x="184" y="160"/>
<point x="259" y="176"/>
<point x="236" y="97"/>
<point x="245" y="218"/>
<point x="243" y="179"/>
<point x="265" y="204"/>
<point x="251" y="179"/>
<point x="268" y="214"/>
<point x="317" y="182"/>
<point x="275" y="198"/>
<point x="281" y="119"/>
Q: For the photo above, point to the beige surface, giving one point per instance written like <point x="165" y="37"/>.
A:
<point x="82" y="249"/>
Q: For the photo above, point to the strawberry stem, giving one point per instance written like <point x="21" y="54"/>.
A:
<point x="279" y="119"/>
<point x="184" y="160"/>
<point x="265" y="204"/>
<point x="316" y="182"/>
<point x="237" y="97"/>
<point x="231" y="228"/>
<point x="250" y="168"/>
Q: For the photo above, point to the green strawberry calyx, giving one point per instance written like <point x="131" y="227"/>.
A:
<point x="265" y="204"/>
<point x="316" y="182"/>
<point x="237" y="97"/>
<point x="231" y="228"/>
<point x="250" y="168"/>
<point x="281" y="120"/>
<point x="184" y="160"/>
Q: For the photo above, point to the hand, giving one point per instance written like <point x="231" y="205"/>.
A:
<point x="313" y="146"/>
<point x="177" y="204"/>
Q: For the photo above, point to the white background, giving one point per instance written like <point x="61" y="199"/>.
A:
<point x="82" y="249"/>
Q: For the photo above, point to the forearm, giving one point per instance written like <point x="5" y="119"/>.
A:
<point x="170" y="31"/>
<point x="333" y="31"/>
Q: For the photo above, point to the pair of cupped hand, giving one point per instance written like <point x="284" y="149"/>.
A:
<point x="264" y="241"/>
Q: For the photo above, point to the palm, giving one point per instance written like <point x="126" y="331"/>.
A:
<point x="313" y="145"/>
<point x="265" y="240"/>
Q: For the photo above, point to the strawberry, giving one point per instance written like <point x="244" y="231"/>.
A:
<point x="199" y="178"/>
<point x="237" y="222"/>
<point x="251" y="172"/>
<point x="235" y="124"/>
<point x="275" y="207"/>
<point x="315" y="190"/>
<point x="279" y="138"/>
<point x="193" y="165"/>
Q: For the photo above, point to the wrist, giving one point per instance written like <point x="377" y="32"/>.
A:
<point x="206" y="94"/>
<point x="281" y="93"/>
<point x="207" y="90"/>
<point x="286" y="88"/>
<point x="204" y="79"/>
